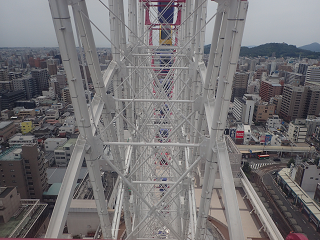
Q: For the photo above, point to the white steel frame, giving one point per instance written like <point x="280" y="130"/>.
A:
<point x="172" y="110"/>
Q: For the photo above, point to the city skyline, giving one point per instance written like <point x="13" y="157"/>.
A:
<point x="287" y="21"/>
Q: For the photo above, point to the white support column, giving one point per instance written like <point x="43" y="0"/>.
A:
<point x="60" y="212"/>
<point x="63" y="28"/>
<point x="233" y="216"/>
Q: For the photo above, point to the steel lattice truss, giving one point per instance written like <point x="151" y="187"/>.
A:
<point x="166" y="98"/>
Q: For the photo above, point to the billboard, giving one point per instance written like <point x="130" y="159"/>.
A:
<point x="268" y="139"/>
<point x="239" y="134"/>
<point x="233" y="133"/>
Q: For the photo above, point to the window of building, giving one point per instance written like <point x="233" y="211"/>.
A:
<point x="13" y="175"/>
<point x="26" y="161"/>
<point x="311" y="177"/>
<point x="14" y="181"/>
<point x="10" y="164"/>
<point x="28" y="172"/>
<point x="12" y="170"/>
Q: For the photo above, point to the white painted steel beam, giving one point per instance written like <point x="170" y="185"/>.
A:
<point x="60" y="212"/>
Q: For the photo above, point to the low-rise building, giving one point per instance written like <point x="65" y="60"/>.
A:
<point x="63" y="153"/>
<point x="52" y="114"/>
<point x="53" y="143"/>
<point x="68" y="126"/>
<point x="26" y="221"/>
<point x="297" y="131"/>
<point x="26" y="112"/>
<point x="6" y="114"/>
<point x="273" y="122"/>
<point x="9" y="203"/>
<point x="26" y="126"/>
<point x="7" y="130"/>
<point x="20" y="139"/>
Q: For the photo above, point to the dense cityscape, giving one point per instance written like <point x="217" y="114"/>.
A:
<point x="275" y="102"/>
<point x="148" y="140"/>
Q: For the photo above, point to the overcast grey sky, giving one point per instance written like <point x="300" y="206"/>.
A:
<point x="28" y="23"/>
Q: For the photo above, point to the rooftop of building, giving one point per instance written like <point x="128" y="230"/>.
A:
<point x="55" y="139"/>
<point x="5" y="124"/>
<point x="69" y="143"/>
<point x="4" y="191"/>
<point x="53" y="190"/>
<point x="56" y="175"/>
<point x="9" y="154"/>
<point x="20" y="137"/>
<point x="28" y="213"/>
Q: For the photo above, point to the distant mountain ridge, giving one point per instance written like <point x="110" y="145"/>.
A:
<point x="315" y="47"/>
<point x="279" y="49"/>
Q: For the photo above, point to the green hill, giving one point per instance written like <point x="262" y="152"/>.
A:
<point x="280" y="50"/>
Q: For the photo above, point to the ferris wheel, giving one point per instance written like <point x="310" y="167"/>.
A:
<point x="164" y="119"/>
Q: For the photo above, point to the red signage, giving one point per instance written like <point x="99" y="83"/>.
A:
<point x="239" y="134"/>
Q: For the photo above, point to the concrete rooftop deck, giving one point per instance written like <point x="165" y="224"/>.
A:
<point x="250" y="224"/>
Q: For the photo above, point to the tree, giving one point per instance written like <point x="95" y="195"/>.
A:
<point x="291" y="161"/>
<point x="246" y="168"/>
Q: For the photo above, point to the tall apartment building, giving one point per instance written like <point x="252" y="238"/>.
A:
<point x="6" y="85"/>
<point x="8" y="99"/>
<point x="4" y="75"/>
<point x="294" y="101"/>
<point x="42" y="77"/>
<point x="240" y="83"/>
<point x="298" y="102"/>
<point x="302" y="68"/>
<point x="62" y="79"/>
<point x="277" y="100"/>
<point x="23" y="167"/>
<point x="28" y="85"/>
<point x="66" y="96"/>
<point x="313" y="101"/>
<point x="313" y="74"/>
<point x="269" y="89"/>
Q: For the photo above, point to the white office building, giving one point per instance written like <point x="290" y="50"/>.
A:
<point x="243" y="109"/>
